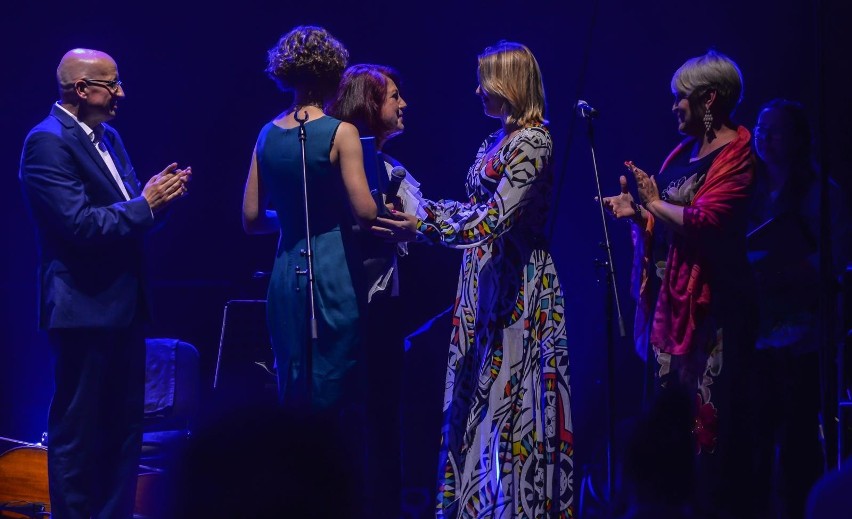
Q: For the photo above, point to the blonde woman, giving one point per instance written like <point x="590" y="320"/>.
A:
<point x="507" y="439"/>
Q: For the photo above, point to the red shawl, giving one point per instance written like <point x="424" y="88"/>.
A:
<point x="680" y="319"/>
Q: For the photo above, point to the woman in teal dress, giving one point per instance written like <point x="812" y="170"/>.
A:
<point x="309" y="62"/>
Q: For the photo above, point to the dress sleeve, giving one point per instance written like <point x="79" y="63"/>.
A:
<point x="484" y="217"/>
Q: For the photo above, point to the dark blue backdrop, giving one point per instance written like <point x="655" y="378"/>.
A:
<point x="197" y="94"/>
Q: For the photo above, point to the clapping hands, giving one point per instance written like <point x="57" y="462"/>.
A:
<point x="646" y="185"/>
<point x="623" y="205"/>
<point x="166" y="186"/>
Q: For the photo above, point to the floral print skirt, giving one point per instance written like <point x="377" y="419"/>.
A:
<point x="696" y="370"/>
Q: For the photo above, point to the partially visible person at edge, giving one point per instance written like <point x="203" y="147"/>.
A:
<point x="692" y="281"/>
<point x="308" y="61"/>
<point x="507" y="441"/>
<point x="784" y="225"/>
<point x="91" y="215"/>
<point x="369" y="97"/>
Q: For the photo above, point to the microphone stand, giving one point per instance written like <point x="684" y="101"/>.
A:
<point x="611" y="302"/>
<point x="307" y="252"/>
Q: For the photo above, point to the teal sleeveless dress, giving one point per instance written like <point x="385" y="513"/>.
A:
<point x="339" y="295"/>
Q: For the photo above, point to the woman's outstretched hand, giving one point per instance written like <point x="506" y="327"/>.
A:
<point x="398" y="227"/>
<point x="621" y="205"/>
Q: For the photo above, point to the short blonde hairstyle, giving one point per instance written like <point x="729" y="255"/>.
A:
<point x="712" y="71"/>
<point x="308" y="57"/>
<point x="510" y="71"/>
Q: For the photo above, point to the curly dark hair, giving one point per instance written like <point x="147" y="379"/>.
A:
<point x="308" y="57"/>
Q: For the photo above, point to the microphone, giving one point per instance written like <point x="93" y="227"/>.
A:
<point x="396" y="175"/>
<point x="584" y="110"/>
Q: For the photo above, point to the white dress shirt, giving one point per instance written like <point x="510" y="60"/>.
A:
<point x="96" y="135"/>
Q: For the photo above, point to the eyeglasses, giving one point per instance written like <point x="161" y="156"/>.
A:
<point x="111" y="85"/>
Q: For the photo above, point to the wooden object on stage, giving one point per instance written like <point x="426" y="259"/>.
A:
<point x="24" y="486"/>
<point x="23" y="482"/>
<point x="151" y="496"/>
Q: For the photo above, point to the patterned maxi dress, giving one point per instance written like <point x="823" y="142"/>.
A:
<point x="507" y="439"/>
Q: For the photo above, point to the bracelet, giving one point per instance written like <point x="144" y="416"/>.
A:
<point x="638" y="210"/>
<point x="636" y="207"/>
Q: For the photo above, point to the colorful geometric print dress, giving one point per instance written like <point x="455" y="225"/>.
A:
<point x="337" y="364"/>
<point x="507" y="439"/>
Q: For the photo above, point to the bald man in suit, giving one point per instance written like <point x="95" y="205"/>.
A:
<point x="91" y="215"/>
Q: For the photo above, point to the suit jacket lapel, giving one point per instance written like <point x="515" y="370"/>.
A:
<point x="121" y="165"/>
<point x="86" y="143"/>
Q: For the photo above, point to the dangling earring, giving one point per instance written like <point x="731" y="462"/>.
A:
<point x="708" y="121"/>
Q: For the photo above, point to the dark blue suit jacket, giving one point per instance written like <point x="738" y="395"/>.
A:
<point x="91" y="265"/>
